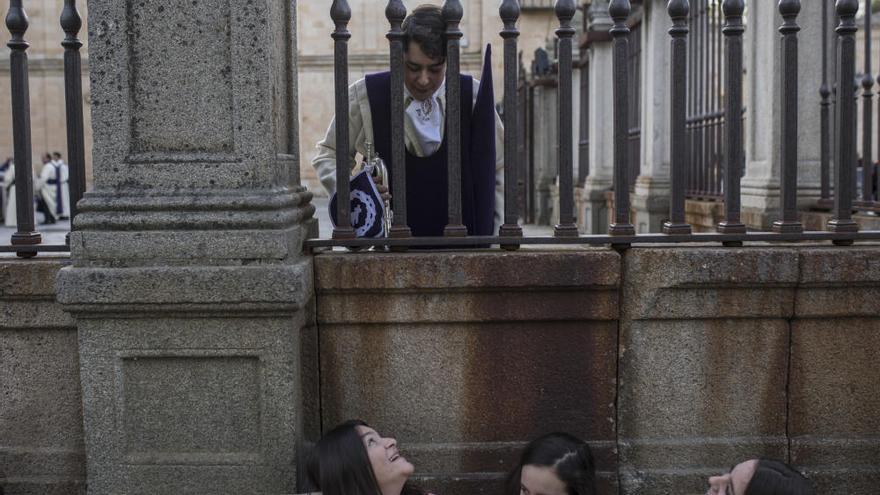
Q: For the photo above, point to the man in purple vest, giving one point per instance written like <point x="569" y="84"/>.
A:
<point x="424" y="129"/>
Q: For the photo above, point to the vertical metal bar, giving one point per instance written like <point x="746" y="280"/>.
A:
<point x="395" y="12"/>
<point x="509" y="12"/>
<point x="565" y="10"/>
<point x="825" y="124"/>
<point x="584" y="142"/>
<point x="71" y="23"/>
<point x="702" y="92"/>
<point x="452" y="14"/>
<point x="846" y="67"/>
<point x="340" y="12"/>
<point x="619" y="11"/>
<point x="733" y="156"/>
<point x="678" y="12"/>
<point x="25" y="234"/>
<point x="789" y="132"/>
<point x="867" y="114"/>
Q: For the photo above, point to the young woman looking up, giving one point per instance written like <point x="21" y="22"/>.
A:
<point x="353" y="459"/>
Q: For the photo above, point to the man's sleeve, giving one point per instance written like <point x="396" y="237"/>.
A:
<point x="325" y="161"/>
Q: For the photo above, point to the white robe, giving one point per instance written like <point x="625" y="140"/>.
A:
<point x="9" y="196"/>
<point x="48" y="189"/>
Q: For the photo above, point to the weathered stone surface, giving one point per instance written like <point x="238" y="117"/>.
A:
<point x="704" y="340"/>
<point x="834" y="401"/>
<point x="708" y="282"/>
<point x="41" y="432"/>
<point x="468" y="356"/>
<point x="246" y="287"/>
<point x="447" y="287"/>
<point x="213" y="398"/>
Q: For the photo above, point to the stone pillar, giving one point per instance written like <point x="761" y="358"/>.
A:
<point x="650" y="202"/>
<point x="546" y="122"/>
<point x="600" y="180"/>
<point x="760" y="185"/>
<point x="188" y="282"/>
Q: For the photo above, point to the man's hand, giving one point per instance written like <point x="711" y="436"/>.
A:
<point x="383" y="189"/>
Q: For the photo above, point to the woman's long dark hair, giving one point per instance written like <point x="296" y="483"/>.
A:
<point x="567" y="454"/>
<point x="339" y="464"/>
<point x="774" y="477"/>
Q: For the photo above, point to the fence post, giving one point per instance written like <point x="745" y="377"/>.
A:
<point x="509" y="12"/>
<point x="846" y="113"/>
<point x="867" y="115"/>
<point x="825" y="106"/>
<point x="25" y="234"/>
<point x="678" y="12"/>
<point x="395" y="12"/>
<point x="621" y="226"/>
<point x="71" y="23"/>
<point x="565" y="10"/>
<point x="733" y="142"/>
<point x="452" y="14"/>
<point x="789" y="122"/>
<point x="340" y="12"/>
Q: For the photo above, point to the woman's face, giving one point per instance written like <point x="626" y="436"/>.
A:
<point x="735" y="482"/>
<point x="540" y="480"/>
<point x="389" y="467"/>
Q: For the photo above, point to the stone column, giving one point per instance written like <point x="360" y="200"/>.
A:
<point x="650" y="201"/>
<point x="188" y="282"/>
<point x="546" y="125"/>
<point x="600" y="180"/>
<point x="760" y="185"/>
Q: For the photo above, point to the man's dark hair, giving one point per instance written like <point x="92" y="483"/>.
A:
<point x="425" y="27"/>
<point x="774" y="477"/>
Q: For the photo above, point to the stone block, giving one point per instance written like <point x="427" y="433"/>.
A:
<point x="446" y="287"/>
<point x="834" y="401"/>
<point x="703" y="359"/>
<point x="476" y="357"/>
<point x="191" y="404"/>
<point x="41" y="432"/>
<point x="709" y="282"/>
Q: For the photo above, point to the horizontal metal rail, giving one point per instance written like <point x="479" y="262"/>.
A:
<point x="603" y="239"/>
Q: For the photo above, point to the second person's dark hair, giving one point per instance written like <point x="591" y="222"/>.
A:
<point x="567" y="454"/>
<point x="425" y="26"/>
<point x="774" y="477"/>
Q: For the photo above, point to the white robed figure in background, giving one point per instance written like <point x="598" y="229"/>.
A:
<point x="53" y="190"/>
<point x="8" y="185"/>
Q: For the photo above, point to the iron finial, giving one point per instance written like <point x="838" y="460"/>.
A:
<point x="678" y="9"/>
<point x="395" y="12"/>
<point x="509" y="12"/>
<point x="619" y="10"/>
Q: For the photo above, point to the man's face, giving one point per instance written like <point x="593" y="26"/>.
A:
<point x="423" y="75"/>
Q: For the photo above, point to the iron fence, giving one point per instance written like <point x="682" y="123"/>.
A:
<point x="27" y="241"/>
<point x="706" y="117"/>
<point x="697" y="47"/>
<point x="634" y="119"/>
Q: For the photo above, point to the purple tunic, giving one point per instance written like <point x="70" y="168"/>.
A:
<point x="426" y="177"/>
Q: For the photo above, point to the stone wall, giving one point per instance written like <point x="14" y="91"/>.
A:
<point x="41" y="430"/>
<point x="673" y="362"/>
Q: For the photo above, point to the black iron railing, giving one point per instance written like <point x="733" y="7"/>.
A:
<point x="27" y="241"/>
<point x="705" y="114"/>
<point x="709" y="41"/>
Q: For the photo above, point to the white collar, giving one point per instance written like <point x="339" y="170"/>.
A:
<point x="437" y="94"/>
